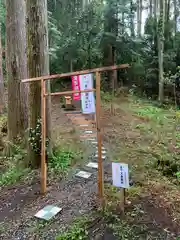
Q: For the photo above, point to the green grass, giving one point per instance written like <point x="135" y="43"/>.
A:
<point x="77" y="231"/>
<point x="14" y="168"/>
<point x="62" y="159"/>
<point x="158" y="133"/>
<point x="135" y="224"/>
<point x="13" y="174"/>
<point x="106" y="97"/>
<point x="153" y="113"/>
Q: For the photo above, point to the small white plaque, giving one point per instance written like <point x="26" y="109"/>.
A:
<point x="83" y="174"/>
<point x="84" y="125"/>
<point x="48" y="212"/>
<point x="92" y="165"/>
<point x="120" y="175"/>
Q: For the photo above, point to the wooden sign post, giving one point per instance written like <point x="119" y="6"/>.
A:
<point x="120" y="176"/>
<point x="99" y="136"/>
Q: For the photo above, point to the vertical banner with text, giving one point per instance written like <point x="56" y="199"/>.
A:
<point x="76" y="87"/>
<point x="87" y="98"/>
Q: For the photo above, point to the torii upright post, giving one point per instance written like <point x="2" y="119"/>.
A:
<point x="99" y="137"/>
<point x="43" y="139"/>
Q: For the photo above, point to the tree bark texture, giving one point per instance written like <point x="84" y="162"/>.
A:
<point x="16" y="68"/>
<point x="139" y="17"/>
<point x="151" y="8"/>
<point x="1" y="78"/>
<point x="132" y="27"/>
<point x="161" y="49"/>
<point x="175" y="15"/>
<point x="38" y="63"/>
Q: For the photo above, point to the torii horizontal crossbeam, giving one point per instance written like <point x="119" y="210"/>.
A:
<point x="62" y="75"/>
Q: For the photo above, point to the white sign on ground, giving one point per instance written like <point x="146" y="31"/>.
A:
<point x="120" y="175"/>
<point x="83" y="174"/>
<point x="87" y="98"/>
<point x="48" y="212"/>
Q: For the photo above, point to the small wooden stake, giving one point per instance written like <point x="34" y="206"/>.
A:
<point x="43" y="140"/>
<point x="123" y="199"/>
<point x="99" y="137"/>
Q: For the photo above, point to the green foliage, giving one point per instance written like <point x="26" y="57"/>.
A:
<point x="14" y="165"/>
<point x="85" y="35"/>
<point x="61" y="159"/>
<point x="151" y="112"/>
<point x="13" y="175"/>
<point x="77" y="231"/>
<point x="159" y="126"/>
<point x="106" y="96"/>
<point x="35" y="138"/>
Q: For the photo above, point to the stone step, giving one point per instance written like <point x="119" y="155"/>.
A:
<point x="103" y="148"/>
<point x="92" y="165"/>
<point x="103" y="152"/>
<point x="83" y="174"/>
<point x="103" y="156"/>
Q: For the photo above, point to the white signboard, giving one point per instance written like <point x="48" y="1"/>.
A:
<point x="87" y="98"/>
<point x="120" y="175"/>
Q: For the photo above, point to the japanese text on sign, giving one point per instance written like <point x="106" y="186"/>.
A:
<point x="87" y="98"/>
<point x="120" y="175"/>
<point x="76" y="87"/>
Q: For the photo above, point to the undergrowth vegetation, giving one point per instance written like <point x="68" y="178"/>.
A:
<point x="78" y="230"/>
<point x="110" y="221"/>
<point x="62" y="158"/>
<point x="159" y="126"/>
<point x="14" y="168"/>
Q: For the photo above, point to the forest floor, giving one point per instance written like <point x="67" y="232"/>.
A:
<point x="139" y="134"/>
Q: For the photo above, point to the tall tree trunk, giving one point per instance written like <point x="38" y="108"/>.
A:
<point x="167" y="10"/>
<point x="139" y="17"/>
<point x="161" y="49"/>
<point x="16" y="68"/>
<point x="123" y="23"/>
<point x="46" y="71"/>
<point x="85" y="3"/>
<point x="167" y="33"/>
<point x="155" y="8"/>
<point x="38" y="64"/>
<point x="151" y="8"/>
<point x="175" y="15"/>
<point x="110" y="26"/>
<point x="132" y="28"/>
<point x="1" y="78"/>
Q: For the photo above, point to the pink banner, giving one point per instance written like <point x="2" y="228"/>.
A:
<point x="76" y="87"/>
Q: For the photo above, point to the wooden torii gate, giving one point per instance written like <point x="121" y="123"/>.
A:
<point x="43" y="79"/>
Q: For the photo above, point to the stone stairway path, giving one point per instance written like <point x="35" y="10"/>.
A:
<point x="88" y="134"/>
